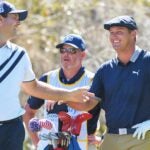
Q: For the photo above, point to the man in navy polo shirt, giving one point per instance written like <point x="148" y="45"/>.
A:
<point x="123" y="85"/>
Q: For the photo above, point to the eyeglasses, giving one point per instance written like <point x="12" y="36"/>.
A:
<point x="70" y="50"/>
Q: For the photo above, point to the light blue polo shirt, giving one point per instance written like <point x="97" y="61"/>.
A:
<point x="15" y="68"/>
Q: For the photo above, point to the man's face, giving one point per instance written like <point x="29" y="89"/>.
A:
<point x="9" y="25"/>
<point x="71" y="60"/>
<point x="121" y="38"/>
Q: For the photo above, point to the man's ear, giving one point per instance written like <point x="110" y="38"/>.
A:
<point x="83" y="54"/>
<point x="134" y="33"/>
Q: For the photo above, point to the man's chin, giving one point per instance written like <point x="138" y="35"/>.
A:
<point x="116" y="47"/>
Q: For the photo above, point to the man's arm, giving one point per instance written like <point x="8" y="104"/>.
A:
<point x="45" y="91"/>
<point x="90" y="103"/>
<point x="30" y="113"/>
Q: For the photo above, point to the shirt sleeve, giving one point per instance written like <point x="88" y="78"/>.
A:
<point x="34" y="102"/>
<point x="29" y="74"/>
<point x="97" y="89"/>
<point x="97" y="84"/>
<point x="91" y="127"/>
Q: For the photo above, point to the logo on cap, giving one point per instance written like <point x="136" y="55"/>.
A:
<point x="68" y="38"/>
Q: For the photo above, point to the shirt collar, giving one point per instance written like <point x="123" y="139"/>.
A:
<point x="7" y="45"/>
<point x="135" y="55"/>
<point x="72" y="80"/>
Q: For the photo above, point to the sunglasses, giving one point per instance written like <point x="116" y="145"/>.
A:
<point x="70" y="50"/>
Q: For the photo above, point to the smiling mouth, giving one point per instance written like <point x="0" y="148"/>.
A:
<point x="116" y="43"/>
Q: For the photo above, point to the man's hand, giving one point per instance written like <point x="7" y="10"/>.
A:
<point x="141" y="129"/>
<point x="50" y="105"/>
<point x="81" y="99"/>
<point x="82" y="95"/>
<point x="94" y="139"/>
<point x="78" y="95"/>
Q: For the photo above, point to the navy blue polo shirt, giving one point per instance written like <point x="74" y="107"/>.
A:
<point x="124" y="90"/>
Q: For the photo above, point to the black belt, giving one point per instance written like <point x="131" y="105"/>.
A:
<point x="121" y="131"/>
<point x="10" y="121"/>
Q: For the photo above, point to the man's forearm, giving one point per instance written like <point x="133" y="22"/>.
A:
<point x="26" y="118"/>
<point x="45" y="91"/>
<point x="86" y="106"/>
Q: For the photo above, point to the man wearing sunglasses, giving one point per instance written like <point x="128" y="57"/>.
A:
<point x="70" y="75"/>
